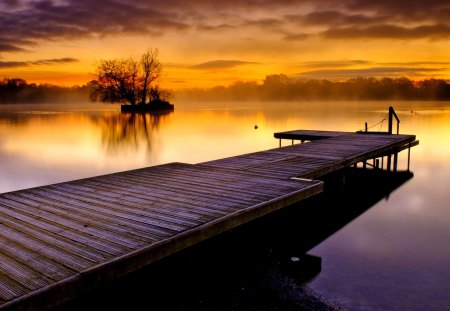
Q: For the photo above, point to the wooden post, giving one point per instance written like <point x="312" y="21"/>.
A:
<point x="280" y="142"/>
<point x="382" y="162"/>
<point x="377" y="163"/>
<point x="292" y="142"/>
<point x="366" y="126"/>
<point x="388" y="164"/>
<point x="391" y="112"/>
<point x="395" y="161"/>
<point x="409" y="154"/>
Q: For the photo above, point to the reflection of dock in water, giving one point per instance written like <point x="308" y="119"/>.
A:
<point x="296" y="230"/>
<point x="61" y="240"/>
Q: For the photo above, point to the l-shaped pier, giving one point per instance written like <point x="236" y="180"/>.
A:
<point x="59" y="241"/>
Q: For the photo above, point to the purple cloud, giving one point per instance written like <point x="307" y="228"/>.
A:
<point x="23" y="23"/>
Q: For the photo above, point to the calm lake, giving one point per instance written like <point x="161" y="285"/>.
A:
<point x="395" y="256"/>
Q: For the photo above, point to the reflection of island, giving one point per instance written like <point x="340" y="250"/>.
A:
<point x="123" y="131"/>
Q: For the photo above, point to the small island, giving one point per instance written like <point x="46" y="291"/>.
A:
<point x="132" y="83"/>
<point x="157" y="106"/>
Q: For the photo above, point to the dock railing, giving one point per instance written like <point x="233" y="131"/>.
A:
<point x="390" y="116"/>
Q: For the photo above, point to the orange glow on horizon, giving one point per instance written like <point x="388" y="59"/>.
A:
<point x="218" y="49"/>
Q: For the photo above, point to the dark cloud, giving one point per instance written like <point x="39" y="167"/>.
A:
<point x="8" y="47"/>
<point x="402" y="7"/>
<point x="367" y="72"/>
<point x="215" y="28"/>
<point x="390" y="32"/>
<point x="334" y="18"/>
<point x="24" y="22"/>
<point x="297" y="37"/>
<point x="221" y="64"/>
<point x="13" y="64"/>
<point x="417" y="64"/>
<point x="55" y="61"/>
<point x="336" y="63"/>
<point x="13" y="44"/>
<point x="47" y="20"/>
<point x="352" y="19"/>
<point x="265" y="23"/>
<point x="11" y="3"/>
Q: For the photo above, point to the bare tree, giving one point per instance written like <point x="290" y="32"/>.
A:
<point x="128" y="80"/>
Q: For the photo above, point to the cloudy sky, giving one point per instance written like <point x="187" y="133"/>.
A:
<point x="204" y="42"/>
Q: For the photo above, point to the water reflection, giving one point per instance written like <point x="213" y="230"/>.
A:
<point x="47" y="144"/>
<point x="341" y="203"/>
<point x="124" y="131"/>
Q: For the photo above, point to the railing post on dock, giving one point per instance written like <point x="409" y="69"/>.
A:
<point x="392" y="114"/>
<point x="390" y="121"/>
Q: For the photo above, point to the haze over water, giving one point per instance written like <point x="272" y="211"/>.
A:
<point x="394" y="256"/>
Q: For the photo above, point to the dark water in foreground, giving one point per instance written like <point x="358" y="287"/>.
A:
<point x="394" y="256"/>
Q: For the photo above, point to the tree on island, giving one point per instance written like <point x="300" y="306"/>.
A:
<point x="132" y="82"/>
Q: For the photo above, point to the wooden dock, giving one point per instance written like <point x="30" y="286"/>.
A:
<point x="59" y="241"/>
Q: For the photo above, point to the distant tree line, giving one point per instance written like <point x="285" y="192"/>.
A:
<point x="282" y="87"/>
<point x="274" y="87"/>
<point x="16" y="90"/>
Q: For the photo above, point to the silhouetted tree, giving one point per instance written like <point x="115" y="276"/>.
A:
<point x="128" y="80"/>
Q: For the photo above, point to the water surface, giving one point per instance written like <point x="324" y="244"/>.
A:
<point x="393" y="257"/>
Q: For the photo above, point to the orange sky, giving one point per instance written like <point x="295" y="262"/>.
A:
<point x="207" y="43"/>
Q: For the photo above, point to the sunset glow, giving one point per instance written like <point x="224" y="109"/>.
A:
<point x="208" y="43"/>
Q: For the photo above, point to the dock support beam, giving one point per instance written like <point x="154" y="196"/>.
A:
<point x="395" y="161"/>
<point x="409" y="154"/>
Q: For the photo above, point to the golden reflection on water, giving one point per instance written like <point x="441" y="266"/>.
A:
<point x="58" y="139"/>
<point x="56" y="143"/>
<point x="401" y="238"/>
